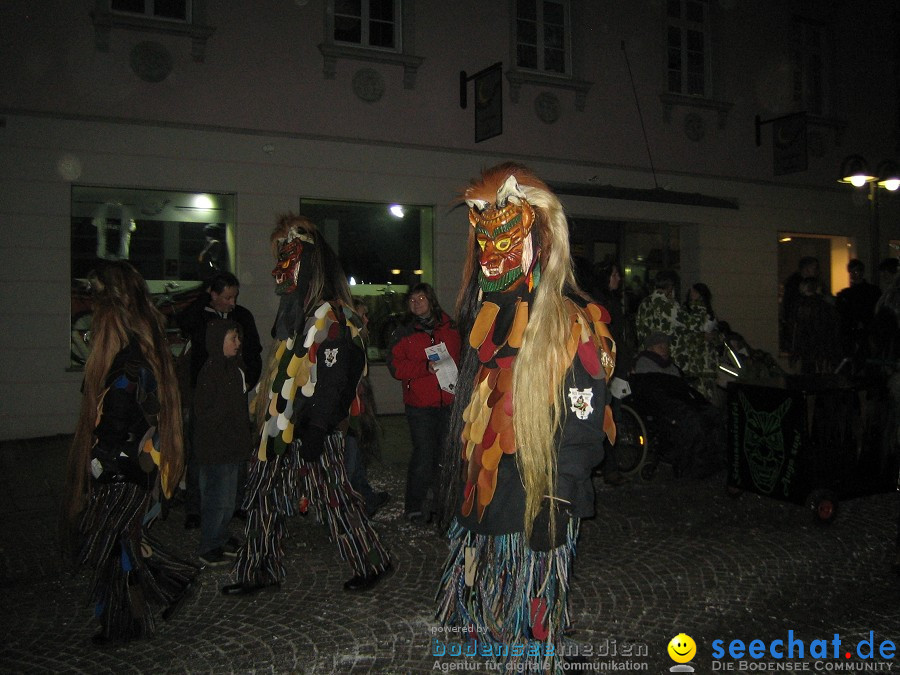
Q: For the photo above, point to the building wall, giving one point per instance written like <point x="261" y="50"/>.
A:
<point x="70" y="114"/>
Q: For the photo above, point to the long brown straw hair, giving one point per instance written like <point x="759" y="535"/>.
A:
<point x="123" y="312"/>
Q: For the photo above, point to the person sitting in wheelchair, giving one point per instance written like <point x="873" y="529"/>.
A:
<point x="691" y="429"/>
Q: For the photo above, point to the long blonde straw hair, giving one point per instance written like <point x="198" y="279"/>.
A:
<point x="543" y="358"/>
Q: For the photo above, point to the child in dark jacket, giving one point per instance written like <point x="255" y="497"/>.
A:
<point x="222" y="437"/>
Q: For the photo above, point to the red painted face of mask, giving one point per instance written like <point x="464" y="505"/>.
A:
<point x="504" y="236"/>
<point x="287" y="267"/>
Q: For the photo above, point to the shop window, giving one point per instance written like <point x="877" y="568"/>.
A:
<point x="831" y="255"/>
<point x="174" y="239"/>
<point x="384" y="250"/>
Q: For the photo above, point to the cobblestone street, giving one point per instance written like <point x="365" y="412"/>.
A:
<point x="660" y="558"/>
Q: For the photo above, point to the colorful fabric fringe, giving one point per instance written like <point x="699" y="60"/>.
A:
<point x="132" y="571"/>
<point x="511" y="600"/>
<point x="275" y="490"/>
<point x="336" y="503"/>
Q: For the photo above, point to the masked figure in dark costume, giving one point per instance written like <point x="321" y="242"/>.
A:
<point x="529" y="423"/>
<point x="126" y="454"/>
<point x="317" y="362"/>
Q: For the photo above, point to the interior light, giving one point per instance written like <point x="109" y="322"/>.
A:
<point x="395" y="271"/>
<point x="784" y="240"/>
<point x="396" y="210"/>
<point x="419" y="272"/>
<point x="202" y="202"/>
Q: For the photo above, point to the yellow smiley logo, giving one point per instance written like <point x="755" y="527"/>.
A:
<point x="682" y="648"/>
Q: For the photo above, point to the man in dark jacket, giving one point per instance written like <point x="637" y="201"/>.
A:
<point x="219" y="302"/>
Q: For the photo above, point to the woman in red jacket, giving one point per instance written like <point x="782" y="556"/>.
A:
<point x="427" y="404"/>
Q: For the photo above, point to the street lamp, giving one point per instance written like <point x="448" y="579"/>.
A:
<point x="855" y="171"/>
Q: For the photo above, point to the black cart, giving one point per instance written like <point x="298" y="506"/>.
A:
<point x="810" y="440"/>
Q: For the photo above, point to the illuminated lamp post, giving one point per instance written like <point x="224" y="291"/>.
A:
<point x="855" y="171"/>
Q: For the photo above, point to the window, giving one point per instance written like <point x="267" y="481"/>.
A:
<point x="186" y="18"/>
<point x="809" y="50"/>
<point x="384" y="250"/>
<point x="368" y="23"/>
<point x="174" y="239"/>
<point x="641" y="249"/>
<point x="376" y="31"/>
<point x="542" y="36"/>
<point x="175" y="10"/>
<point x="687" y="44"/>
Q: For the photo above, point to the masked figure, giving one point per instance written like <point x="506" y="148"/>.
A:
<point x="529" y="423"/>
<point x="303" y="404"/>
<point x="125" y="456"/>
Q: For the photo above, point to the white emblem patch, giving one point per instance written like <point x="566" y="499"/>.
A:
<point x="330" y="357"/>
<point x="581" y="402"/>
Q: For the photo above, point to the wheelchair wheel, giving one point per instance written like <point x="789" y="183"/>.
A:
<point x="631" y="441"/>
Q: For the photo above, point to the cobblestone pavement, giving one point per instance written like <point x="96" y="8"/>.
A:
<point x="660" y="558"/>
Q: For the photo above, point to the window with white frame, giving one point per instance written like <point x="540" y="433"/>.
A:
<point x="172" y="10"/>
<point x="375" y="31"/>
<point x="809" y="56"/>
<point x="375" y="24"/>
<point x="688" y="52"/>
<point x="186" y="18"/>
<point x="542" y="35"/>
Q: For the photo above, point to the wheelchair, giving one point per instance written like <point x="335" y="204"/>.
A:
<point x="638" y="441"/>
<point x="646" y="435"/>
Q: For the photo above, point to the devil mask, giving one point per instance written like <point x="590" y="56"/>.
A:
<point x="503" y="232"/>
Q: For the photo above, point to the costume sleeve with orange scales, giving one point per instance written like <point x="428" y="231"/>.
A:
<point x="488" y="430"/>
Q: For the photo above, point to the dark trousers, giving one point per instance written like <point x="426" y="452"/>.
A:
<point x="218" y="484"/>
<point x="428" y="428"/>
<point x="355" y="464"/>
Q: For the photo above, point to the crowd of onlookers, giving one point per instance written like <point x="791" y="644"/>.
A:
<point x="671" y="349"/>
<point x="853" y="332"/>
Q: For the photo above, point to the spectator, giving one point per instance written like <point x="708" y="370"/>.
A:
<point x="887" y="270"/>
<point x="886" y="325"/>
<point x="214" y="255"/>
<point x="815" y="346"/>
<point x="362" y="436"/>
<point x="427" y="404"/>
<point x="656" y="357"/>
<point x="856" y="309"/>
<point x="126" y="450"/>
<point x="222" y="438"/>
<point x="699" y="342"/>
<point x="691" y="429"/>
<point x="660" y="312"/>
<point x="609" y="296"/>
<point x="807" y="268"/>
<point x="219" y="302"/>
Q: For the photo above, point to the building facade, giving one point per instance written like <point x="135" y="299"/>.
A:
<point x="703" y="135"/>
